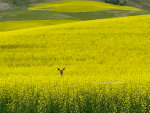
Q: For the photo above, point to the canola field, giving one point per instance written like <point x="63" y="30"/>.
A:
<point x="79" y="6"/>
<point x="107" y="66"/>
<point x="17" y="25"/>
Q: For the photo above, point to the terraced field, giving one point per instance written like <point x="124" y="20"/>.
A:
<point x="107" y="65"/>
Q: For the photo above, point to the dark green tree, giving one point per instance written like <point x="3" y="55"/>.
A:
<point x="113" y="1"/>
<point x="106" y="1"/>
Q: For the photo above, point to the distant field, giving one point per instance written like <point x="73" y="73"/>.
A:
<point x="21" y="15"/>
<point x="16" y="25"/>
<point x="78" y="6"/>
<point x="102" y="11"/>
<point x="141" y="4"/>
<point x="106" y="61"/>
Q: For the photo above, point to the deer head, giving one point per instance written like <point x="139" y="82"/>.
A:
<point x="61" y="71"/>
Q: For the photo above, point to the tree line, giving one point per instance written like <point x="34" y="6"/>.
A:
<point x="116" y="2"/>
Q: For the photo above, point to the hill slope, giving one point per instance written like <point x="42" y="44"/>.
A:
<point x="16" y="25"/>
<point x="106" y="43"/>
<point x="141" y="4"/>
<point x="79" y="6"/>
<point x="20" y="14"/>
<point x="107" y="65"/>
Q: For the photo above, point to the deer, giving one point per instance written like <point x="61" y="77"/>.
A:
<point x="61" y="71"/>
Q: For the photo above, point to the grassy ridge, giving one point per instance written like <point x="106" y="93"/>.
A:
<point x="141" y="4"/>
<point x="16" y="25"/>
<point x="21" y="15"/>
<point x="78" y="6"/>
<point x="108" y="50"/>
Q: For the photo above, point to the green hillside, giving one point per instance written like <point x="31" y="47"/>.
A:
<point x="141" y="4"/>
<point x="20" y="13"/>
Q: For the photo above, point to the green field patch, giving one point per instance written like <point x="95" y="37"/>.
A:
<point x="22" y="15"/>
<point x="78" y="6"/>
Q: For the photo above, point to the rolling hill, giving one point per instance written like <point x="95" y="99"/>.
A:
<point x="104" y="34"/>
<point x="95" y="11"/>
<point x="16" y="25"/>
<point x="79" y="6"/>
<point x="106" y="61"/>
<point x="141" y="4"/>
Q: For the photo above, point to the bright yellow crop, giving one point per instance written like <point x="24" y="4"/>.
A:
<point x="78" y="6"/>
<point x="106" y="61"/>
<point x="16" y="25"/>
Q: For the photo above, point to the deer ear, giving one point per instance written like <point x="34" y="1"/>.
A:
<point x="63" y="68"/>
<point x="58" y="68"/>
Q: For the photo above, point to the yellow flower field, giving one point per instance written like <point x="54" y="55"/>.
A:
<point x="107" y="65"/>
<point x="79" y="6"/>
<point x="17" y="25"/>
